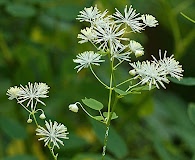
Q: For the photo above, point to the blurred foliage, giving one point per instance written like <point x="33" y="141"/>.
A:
<point x="38" y="40"/>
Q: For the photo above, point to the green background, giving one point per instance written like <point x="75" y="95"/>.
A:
<point x="38" y="40"/>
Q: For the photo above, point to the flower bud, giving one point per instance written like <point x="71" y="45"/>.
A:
<point x="42" y="116"/>
<point x="29" y="120"/>
<point x="139" y="53"/>
<point x="73" y="107"/>
<point x="132" y="72"/>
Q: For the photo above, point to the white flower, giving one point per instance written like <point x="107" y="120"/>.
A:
<point x="87" y="58"/>
<point x="91" y="14"/>
<point x="150" y="73"/>
<point x="53" y="133"/>
<point x="29" y="120"/>
<point x="149" y="20"/>
<point x="109" y="36"/>
<point x="42" y="116"/>
<point x="87" y="35"/>
<point x="130" y="18"/>
<point x="30" y="92"/>
<point x="136" y="48"/>
<point x="170" y="65"/>
<point x="102" y="21"/>
<point x="132" y="72"/>
<point x="125" y="56"/>
<point x="13" y="92"/>
<point x="73" y="107"/>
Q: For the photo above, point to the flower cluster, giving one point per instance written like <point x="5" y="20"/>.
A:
<point x="155" y="72"/>
<point x="106" y="33"/>
<point x="53" y="133"/>
<point x="30" y="94"/>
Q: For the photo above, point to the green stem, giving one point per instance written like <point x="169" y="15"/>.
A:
<point x="33" y="114"/>
<point x="107" y="128"/>
<point x="97" y="77"/>
<point x="85" y="110"/>
<point x="190" y="19"/>
<point x="49" y="147"/>
<point x="124" y="82"/>
<point x="109" y="114"/>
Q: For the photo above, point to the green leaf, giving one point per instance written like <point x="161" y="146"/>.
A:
<point x="99" y="118"/>
<point x="187" y="81"/>
<point x="116" y="145"/>
<point x="92" y="103"/>
<point x="114" y="116"/>
<point x="66" y="12"/>
<point x="74" y="143"/>
<point x="20" y="10"/>
<point x="12" y="128"/>
<point x="20" y="157"/>
<point x="191" y="112"/>
<point x="120" y="92"/>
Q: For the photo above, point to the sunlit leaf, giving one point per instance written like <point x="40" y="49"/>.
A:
<point x="99" y="118"/>
<point x="120" y="92"/>
<point x="92" y="103"/>
<point x="114" y="116"/>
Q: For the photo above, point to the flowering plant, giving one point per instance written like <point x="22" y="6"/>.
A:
<point x="28" y="97"/>
<point x="111" y="37"/>
<point x="109" y="34"/>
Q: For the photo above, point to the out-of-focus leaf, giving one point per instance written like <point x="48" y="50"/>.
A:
<point x="142" y="88"/>
<point x="74" y="142"/>
<point x="187" y="81"/>
<point x="64" y="12"/>
<point x="170" y="118"/>
<point x="191" y="112"/>
<point x="20" y="10"/>
<point x="20" y="157"/>
<point x="4" y="85"/>
<point x="12" y="128"/>
<point x="146" y="108"/>
<point x="193" y="157"/>
<point x="114" y="116"/>
<point x="116" y="145"/>
<point x="163" y="154"/>
<point x="3" y="1"/>
<point x="92" y="103"/>
<point x="88" y="156"/>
